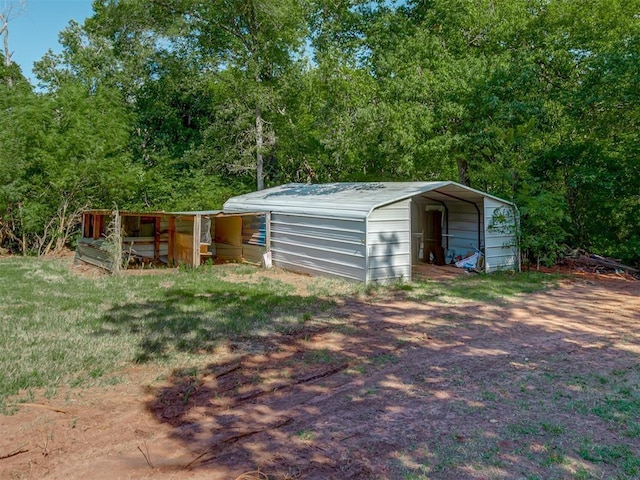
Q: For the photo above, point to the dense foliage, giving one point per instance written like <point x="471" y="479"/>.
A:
<point x="174" y="104"/>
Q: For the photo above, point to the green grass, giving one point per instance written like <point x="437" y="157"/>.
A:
<point x="552" y="418"/>
<point x="384" y="359"/>
<point x="58" y="328"/>
<point x="306" y="435"/>
<point x="321" y="356"/>
<point x="613" y="397"/>
<point x="493" y="288"/>
<point x="618" y="455"/>
<point x="552" y="439"/>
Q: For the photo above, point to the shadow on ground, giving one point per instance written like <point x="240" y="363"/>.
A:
<point x="199" y="321"/>
<point x="543" y="386"/>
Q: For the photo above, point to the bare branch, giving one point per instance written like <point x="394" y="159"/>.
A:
<point x="10" y="10"/>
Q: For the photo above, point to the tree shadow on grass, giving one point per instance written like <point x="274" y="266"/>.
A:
<point x="198" y="320"/>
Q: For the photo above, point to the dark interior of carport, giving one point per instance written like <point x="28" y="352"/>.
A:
<point x="446" y="226"/>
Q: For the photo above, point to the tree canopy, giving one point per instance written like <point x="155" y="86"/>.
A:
<point x="173" y="104"/>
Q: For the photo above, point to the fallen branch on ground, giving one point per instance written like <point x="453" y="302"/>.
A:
<point x="17" y="451"/>
<point x="598" y="261"/>
<point x="203" y="458"/>
<point x="600" y="264"/>
<point x="253" y="475"/>
<point x="281" y="386"/>
<point x="146" y="456"/>
<point x="40" y="405"/>
<point x="227" y="371"/>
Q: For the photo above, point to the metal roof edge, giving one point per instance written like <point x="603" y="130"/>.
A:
<point x="480" y="192"/>
<point x="417" y="188"/>
<point x="106" y="211"/>
<point x="432" y="187"/>
<point x="404" y="197"/>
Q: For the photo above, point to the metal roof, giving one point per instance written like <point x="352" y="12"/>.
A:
<point x="198" y="212"/>
<point x="348" y="200"/>
<point x="158" y="213"/>
<point x="124" y="213"/>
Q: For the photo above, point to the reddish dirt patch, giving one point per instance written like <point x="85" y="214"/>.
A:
<point x="387" y="389"/>
<point x="424" y="271"/>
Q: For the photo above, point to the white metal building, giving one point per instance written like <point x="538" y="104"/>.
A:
<point x="375" y="232"/>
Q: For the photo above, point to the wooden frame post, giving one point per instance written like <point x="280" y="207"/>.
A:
<point x="98" y="220"/>
<point x="85" y="225"/>
<point x="172" y="240"/>
<point x="197" y="230"/>
<point x="156" y="239"/>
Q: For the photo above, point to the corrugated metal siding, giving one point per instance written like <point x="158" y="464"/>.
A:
<point x="501" y="251"/>
<point x="254" y="229"/>
<point x="346" y="200"/>
<point x="254" y="237"/>
<point x="94" y="252"/>
<point x="417" y="228"/>
<point x="318" y="245"/>
<point x="463" y="228"/>
<point x="184" y="224"/>
<point x="389" y="242"/>
<point x="318" y="228"/>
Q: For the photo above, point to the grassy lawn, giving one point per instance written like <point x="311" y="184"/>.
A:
<point x="59" y="328"/>
<point x="558" y="413"/>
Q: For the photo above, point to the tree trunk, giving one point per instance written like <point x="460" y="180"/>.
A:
<point x="11" y="9"/>
<point x="259" y="144"/>
<point x="463" y="172"/>
<point x="24" y="235"/>
<point x="4" y="31"/>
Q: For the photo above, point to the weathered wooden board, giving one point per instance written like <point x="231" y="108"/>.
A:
<point x="183" y="253"/>
<point x="229" y="252"/>
<point x="229" y="231"/>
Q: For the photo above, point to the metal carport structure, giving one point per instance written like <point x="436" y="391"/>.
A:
<point x="374" y="231"/>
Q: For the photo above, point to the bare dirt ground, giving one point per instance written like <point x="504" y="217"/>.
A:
<point x="392" y="389"/>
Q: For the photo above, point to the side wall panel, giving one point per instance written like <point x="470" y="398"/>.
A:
<point x="318" y="245"/>
<point x="183" y="249"/>
<point x="501" y="251"/>
<point x="463" y="228"/>
<point x="389" y="242"/>
<point x="254" y="237"/>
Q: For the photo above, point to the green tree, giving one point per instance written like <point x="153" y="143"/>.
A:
<point x="67" y="152"/>
<point x="247" y="46"/>
<point x="535" y="101"/>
